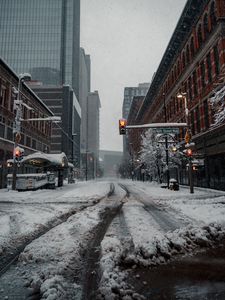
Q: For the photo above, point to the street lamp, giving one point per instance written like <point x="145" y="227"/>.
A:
<point x="17" y="124"/>
<point x="187" y="139"/>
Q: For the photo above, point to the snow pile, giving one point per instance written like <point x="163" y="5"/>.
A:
<point x="113" y="280"/>
<point x="171" y="244"/>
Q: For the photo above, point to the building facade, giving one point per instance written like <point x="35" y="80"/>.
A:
<point x="65" y="135"/>
<point x="43" y="38"/>
<point x="84" y="90"/>
<point x="90" y="156"/>
<point x="194" y="65"/>
<point x="34" y="135"/>
<point x="129" y="94"/>
<point x="111" y="161"/>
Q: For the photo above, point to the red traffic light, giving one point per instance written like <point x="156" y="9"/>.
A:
<point x="18" y="153"/>
<point x="189" y="152"/>
<point x="122" y="126"/>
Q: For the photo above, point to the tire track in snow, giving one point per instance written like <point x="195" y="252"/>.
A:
<point x="16" y="246"/>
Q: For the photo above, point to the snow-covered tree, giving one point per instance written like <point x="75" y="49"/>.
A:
<point x="217" y="103"/>
<point x="153" y="155"/>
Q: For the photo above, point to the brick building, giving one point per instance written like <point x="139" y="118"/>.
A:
<point x="194" y="64"/>
<point x="35" y="135"/>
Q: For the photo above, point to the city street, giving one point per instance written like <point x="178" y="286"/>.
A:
<point x="112" y="240"/>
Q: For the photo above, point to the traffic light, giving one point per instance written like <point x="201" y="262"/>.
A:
<point x="122" y="126"/>
<point x="18" y="153"/>
<point x="189" y="152"/>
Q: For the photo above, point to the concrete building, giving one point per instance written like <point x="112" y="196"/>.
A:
<point x="42" y="37"/>
<point x="193" y="64"/>
<point x="34" y="135"/>
<point x="65" y="135"/>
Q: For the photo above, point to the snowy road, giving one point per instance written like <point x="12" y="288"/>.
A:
<point x="84" y="240"/>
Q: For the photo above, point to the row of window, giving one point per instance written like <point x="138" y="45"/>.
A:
<point x="206" y="74"/>
<point x="196" y="40"/>
<point x="7" y="101"/>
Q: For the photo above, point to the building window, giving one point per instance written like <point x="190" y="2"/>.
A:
<point x="198" y="119"/>
<point x="199" y="35"/>
<point x="195" y="84"/>
<point x="192" y="123"/>
<point x="183" y="60"/>
<point x="190" y="88"/>
<point x="192" y="48"/>
<point x="187" y="55"/>
<point x="206" y="114"/>
<point x="216" y="60"/>
<point x="28" y="141"/>
<point x="206" y="26"/>
<point x="212" y="15"/>
<point x="202" y="66"/>
<point x="209" y="67"/>
<point x="178" y="67"/>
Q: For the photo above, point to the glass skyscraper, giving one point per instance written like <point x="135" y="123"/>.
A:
<point x="42" y="37"/>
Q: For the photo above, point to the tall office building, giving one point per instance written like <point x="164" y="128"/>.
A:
<point x="42" y="37"/>
<point x="129" y="94"/>
<point x="84" y="90"/>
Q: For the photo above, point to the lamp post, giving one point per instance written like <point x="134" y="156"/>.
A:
<point x="187" y="139"/>
<point x="166" y="144"/>
<point x="17" y="125"/>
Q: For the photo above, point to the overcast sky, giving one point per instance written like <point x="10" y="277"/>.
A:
<point x="126" y="40"/>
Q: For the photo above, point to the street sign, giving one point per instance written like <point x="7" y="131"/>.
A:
<point x="166" y="130"/>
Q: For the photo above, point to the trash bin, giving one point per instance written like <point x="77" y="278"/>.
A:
<point x="173" y="185"/>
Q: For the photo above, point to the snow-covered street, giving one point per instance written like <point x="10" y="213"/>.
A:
<point x="81" y="242"/>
